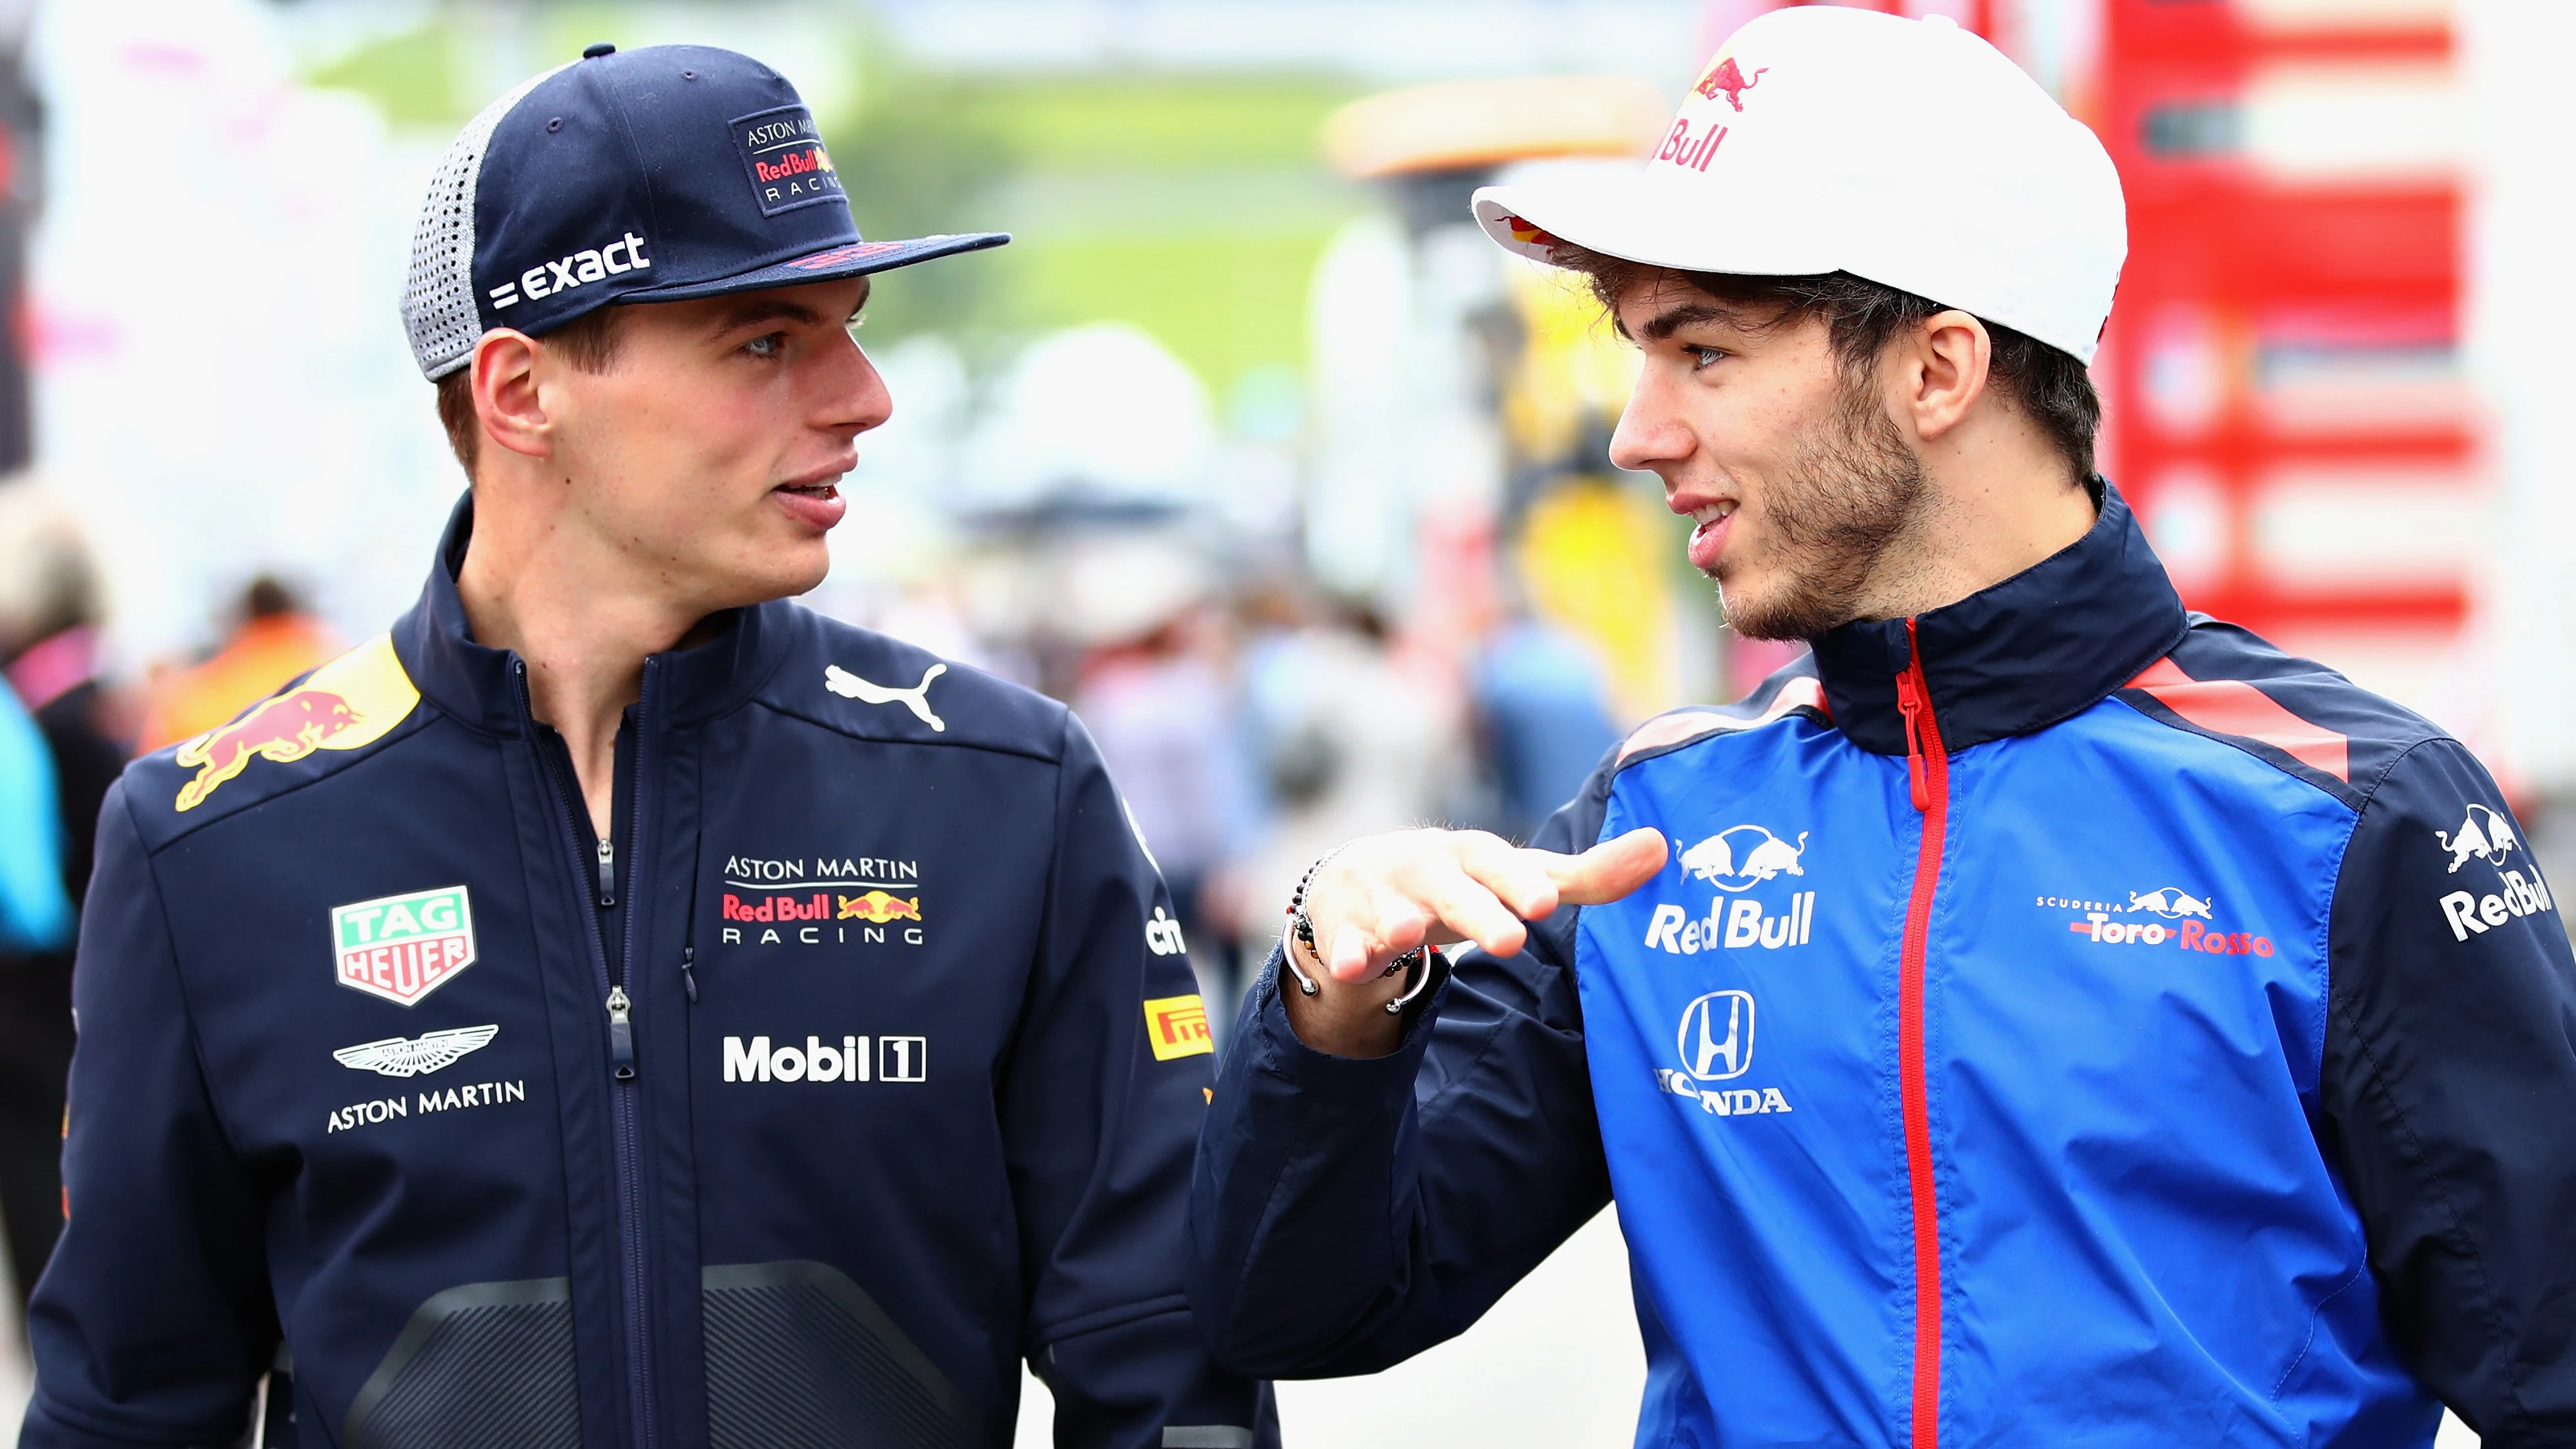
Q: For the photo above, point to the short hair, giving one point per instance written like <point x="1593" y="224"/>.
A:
<point x="590" y="342"/>
<point x="2046" y="385"/>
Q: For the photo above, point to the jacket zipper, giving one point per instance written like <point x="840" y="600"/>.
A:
<point x="624" y="1152"/>
<point x="1927" y="771"/>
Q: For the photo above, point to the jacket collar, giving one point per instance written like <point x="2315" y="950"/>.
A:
<point x="2042" y="645"/>
<point x="479" y="685"/>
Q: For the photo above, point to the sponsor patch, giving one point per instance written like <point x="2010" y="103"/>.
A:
<point x="398" y="1056"/>
<point x="917" y="699"/>
<point x="782" y="153"/>
<point x="851" y="1059"/>
<point x="402" y="948"/>
<point x="387" y="1109"/>
<point x="2486" y="835"/>
<point x="2192" y="922"/>
<point x="1714" y="1043"/>
<point x="1177" y="1026"/>
<point x="820" y="901"/>
<point x="346" y="704"/>
<point x="1163" y="935"/>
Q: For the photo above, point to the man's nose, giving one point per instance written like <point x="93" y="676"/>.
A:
<point x="1650" y="432"/>
<point x="855" y="399"/>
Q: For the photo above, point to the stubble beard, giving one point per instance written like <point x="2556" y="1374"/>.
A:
<point x="1848" y="496"/>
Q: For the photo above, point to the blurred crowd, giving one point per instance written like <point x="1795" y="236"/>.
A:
<point x="67" y="727"/>
<point x="1251" y="716"/>
<point x="1254" y="717"/>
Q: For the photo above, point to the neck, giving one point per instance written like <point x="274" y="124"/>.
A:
<point x="1997" y="501"/>
<point x="580" y="617"/>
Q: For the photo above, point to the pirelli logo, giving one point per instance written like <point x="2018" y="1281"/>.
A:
<point x="1177" y="1026"/>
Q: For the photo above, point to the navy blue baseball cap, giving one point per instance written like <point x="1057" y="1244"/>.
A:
<point x="652" y="175"/>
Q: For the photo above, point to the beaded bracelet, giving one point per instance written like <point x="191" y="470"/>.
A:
<point x="1301" y="930"/>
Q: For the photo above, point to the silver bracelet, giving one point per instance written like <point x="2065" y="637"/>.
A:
<point x="1420" y="960"/>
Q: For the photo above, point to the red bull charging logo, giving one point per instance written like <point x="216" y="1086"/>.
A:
<point x="1728" y="79"/>
<point x="351" y="702"/>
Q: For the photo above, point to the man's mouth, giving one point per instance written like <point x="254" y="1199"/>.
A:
<point x="817" y="505"/>
<point x="1708" y="537"/>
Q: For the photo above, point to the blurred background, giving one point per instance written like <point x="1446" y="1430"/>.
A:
<point x="1250" y="446"/>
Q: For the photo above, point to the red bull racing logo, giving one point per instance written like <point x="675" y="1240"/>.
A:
<point x="824" y="901"/>
<point x="348" y="703"/>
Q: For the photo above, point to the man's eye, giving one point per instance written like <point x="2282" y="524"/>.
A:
<point x="1705" y="357"/>
<point x="767" y="346"/>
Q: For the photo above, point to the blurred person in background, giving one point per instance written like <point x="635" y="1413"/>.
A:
<point x="619" y="1005"/>
<point x="1538" y="695"/>
<point x="2042" y="1016"/>
<point x="275" y="641"/>
<point x="1162" y="711"/>
<point x="1353" y="736"/>
<point x="49" y="616"/>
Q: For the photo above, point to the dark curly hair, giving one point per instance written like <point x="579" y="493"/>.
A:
<point x="2046" y="385"/>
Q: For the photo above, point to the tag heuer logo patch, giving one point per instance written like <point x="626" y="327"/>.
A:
<point x="403" y="947"/>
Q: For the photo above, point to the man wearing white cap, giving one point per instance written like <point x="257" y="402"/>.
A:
<point x="2039" y="1016"/>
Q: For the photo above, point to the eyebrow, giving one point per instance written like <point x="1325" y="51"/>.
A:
<point x="767" y="309"/>
<point x="1691" y="314"/>
<point x="777" y="309"/>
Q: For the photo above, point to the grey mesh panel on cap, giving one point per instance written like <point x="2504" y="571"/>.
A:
<point x="438" y="296"/>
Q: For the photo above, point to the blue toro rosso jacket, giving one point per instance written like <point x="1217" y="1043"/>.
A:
<point x="2061" y="1021"/>
<point x="859" y="1063"/>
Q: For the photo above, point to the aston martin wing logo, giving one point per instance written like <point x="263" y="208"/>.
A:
<point x="402" y="1056"/>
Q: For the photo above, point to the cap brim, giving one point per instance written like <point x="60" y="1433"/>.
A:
<point x="851" y="259"/>
<point x="1629" y="215"/>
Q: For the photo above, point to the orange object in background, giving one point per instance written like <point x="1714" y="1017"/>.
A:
<point x="276" y="642"/>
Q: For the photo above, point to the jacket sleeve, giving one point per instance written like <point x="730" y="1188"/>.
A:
<point x="1101" y="1103"/>
<point x="1348" y="1214"/>
<point x="2448" y="1085"/>
<point x="154" y="1321"/>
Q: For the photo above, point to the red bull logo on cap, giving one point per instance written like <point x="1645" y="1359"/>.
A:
<point x="1726" y="78"/>
<point x="348" y="703"/>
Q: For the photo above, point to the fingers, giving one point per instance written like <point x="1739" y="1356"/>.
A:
<point x="1389" y="894"/>
<point x="1609" y="870"/>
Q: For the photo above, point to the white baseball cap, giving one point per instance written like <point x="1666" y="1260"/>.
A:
<point x="1826" y="139"/>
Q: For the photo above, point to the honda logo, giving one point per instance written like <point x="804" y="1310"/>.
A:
<point x="1716" y="1039"/>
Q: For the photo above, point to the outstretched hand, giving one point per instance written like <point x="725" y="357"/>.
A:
<point x="1384" y="895"/>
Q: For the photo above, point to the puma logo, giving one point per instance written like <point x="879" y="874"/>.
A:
<point x="917" y="699"/>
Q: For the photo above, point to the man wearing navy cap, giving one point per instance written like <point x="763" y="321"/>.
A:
<point x="618" y="1006"/>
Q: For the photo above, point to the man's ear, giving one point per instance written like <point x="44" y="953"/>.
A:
<point x="507" y="402"/>
<point x="1943" y="371"/>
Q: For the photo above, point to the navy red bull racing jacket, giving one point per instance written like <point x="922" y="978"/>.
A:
<point x="2061" y="1020"/>
<point x="860" y="1063"/>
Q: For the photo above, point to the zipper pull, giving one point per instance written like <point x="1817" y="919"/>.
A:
<point x="607" y="873"/>
<point x="1910" y="704"/>
<point x="688" y="977"/>
<point x="621" y="1035"/>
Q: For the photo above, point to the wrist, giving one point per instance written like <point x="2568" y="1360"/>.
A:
<point x="1339" y="1018"/>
